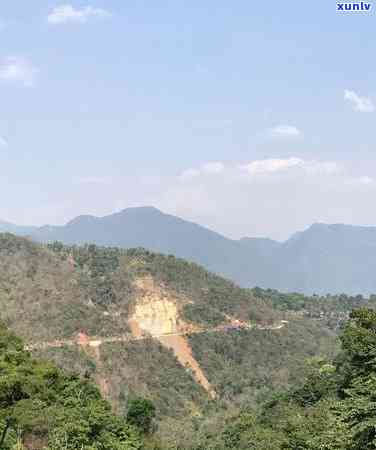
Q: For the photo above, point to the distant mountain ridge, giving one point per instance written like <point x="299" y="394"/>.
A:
<point x="322" y="259"/>
<point x="7" y="227"/>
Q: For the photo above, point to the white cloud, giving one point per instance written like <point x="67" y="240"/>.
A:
<point x="273" y="166"/>
<point x="67" y="13"/>
<point x="18" y="70"/>
<point x="286" y="131"/>
<point x="264" y="166"/>
<point x="360" y="104"/>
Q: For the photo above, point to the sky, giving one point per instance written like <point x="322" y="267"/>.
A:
<point x="250" y="118"/>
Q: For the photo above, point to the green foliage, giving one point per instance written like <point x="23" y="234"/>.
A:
<point x="320" y="382"/>
<point x="333" y="310"/>
<point x="54" y="410"/>
<point x="45" y="286"/>
<point x="334" y="409"/>
<point x="203" y="315"/>
<point x="268" y="397"/>
<point x="96" y="265"/>
<point x="248" y="365"/>
<point x="358" y="389"/>
<point x="141" y="413"/>
<point x="148" y="369"/>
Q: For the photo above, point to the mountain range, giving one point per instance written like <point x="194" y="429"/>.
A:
<point x="322" y="259"/>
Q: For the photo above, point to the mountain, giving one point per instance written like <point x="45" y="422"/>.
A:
<point x="149" y="228"/>
<point x="138" y="322"/>
<point x="143" y="324"/>
<point x="322" y="259"/>
<point x="7" y="227"/>
<point x="329" y="259"/>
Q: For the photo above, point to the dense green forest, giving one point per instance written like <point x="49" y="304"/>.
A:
<point x="43" y="407"/>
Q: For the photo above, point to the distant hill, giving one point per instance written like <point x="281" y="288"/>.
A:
<point x="322" y="259"/>
<point x="329" y="259"/>
<point x="7" y="227"/>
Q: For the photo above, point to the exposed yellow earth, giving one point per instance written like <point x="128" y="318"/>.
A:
<point x="156" y="312"/>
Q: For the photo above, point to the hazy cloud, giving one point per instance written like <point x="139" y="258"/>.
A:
<point x="271" y="165"/>
<point x="286" y="131"/>
<point x="267" y="166"/>
<point x="18" y="70"/>
<point x="360" y="104"/>
<point x="270" y="197"/>
<point x="3" y="142"/>
<point x="278" y="196"/>
<point x="68" y="14"/>
<point x="214" y="167"/>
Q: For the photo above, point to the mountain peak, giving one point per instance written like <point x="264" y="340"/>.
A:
<point x="140" y="210"/>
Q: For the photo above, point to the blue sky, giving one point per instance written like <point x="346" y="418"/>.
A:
<point x="253" y="118"/>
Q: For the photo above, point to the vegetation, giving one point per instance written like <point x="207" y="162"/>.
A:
<point x="141" y="414"/>
<point x="148" y="369"/>
<point x="248" y="365"/>
<point x="332" y="409"/>
<point x="332" y="310"/>
<point x="42" y="407"/>
<point x="268" y="396"/>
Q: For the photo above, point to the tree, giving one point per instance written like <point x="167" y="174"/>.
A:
<point x="358" y="408"/>
<point x="141" y="413"/>
<point x="52" y="409"/>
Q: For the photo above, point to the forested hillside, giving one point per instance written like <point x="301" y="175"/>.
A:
<point x="333" y="409"/>
<point x="138" y="323"/>
<point x="41" y="407"/>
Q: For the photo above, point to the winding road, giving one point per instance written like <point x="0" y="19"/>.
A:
<point x="84" y="340"/>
